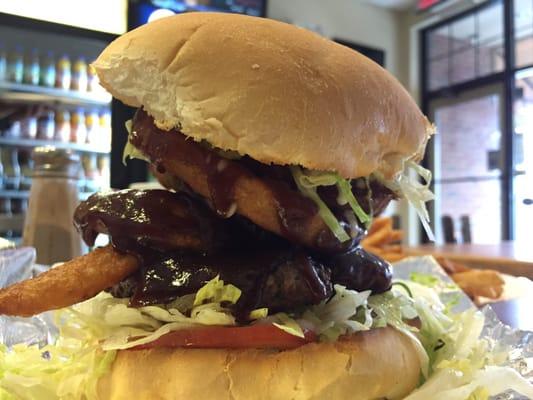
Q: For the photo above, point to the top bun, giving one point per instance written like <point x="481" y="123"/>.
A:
<point x="270" y="90"/>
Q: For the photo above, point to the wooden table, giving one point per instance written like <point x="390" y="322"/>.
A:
<point x="508" y="257"/>
<point x="512" y="258"/>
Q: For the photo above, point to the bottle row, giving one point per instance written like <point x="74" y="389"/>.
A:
<point x="82" y="126"/>
<point x="45" y="69"/>
<point x="16" y="166"/>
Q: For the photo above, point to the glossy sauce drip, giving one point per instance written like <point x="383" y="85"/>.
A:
<point x="221" y="178"/>
<point x="267" y="269"/>
<point x="145" y="215"/>
<point x="276" y="279"/>
<point x="360" y="270"/>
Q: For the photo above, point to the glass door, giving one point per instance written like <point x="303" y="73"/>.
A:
<point x="523" y="154"/>
<point x="467" y="160"/>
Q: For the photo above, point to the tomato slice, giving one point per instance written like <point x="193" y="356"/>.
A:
<point x="222" y="337"/>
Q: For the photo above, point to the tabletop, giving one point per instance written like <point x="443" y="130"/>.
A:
<point x="514" y="258"/>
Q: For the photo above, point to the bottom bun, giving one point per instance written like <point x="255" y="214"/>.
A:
<point x="377" y="364"/>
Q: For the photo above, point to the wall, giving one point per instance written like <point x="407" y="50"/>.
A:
<point x="99" y="15"/>
<point x="347" y="19"/>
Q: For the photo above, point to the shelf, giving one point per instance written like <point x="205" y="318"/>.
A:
<point x="15" y="194"/>
<point x="20" y="92"/>
<point x="60" y="145"/>
<point x="24" y="194"/>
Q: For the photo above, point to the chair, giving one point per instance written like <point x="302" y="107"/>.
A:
<point x="448" y="229"/>
<point x="466" y="232"/>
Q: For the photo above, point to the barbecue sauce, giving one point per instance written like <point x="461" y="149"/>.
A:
<point x="158" y="219"/>
<point x="269" y="271"/>
<point x="294" y="210"/>
<point x="181" y="244"/>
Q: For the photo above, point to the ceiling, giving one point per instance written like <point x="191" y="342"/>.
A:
<point x="394" y="4"/>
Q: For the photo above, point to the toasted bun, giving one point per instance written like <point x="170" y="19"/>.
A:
<point x="378" y="364"/>
<point x="273" y="91"/>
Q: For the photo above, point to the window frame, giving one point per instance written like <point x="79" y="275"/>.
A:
<point x="506" y="78"/>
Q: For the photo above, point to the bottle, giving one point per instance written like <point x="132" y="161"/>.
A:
<point x="105" y="129"/>
<point x="78" y="129"/>
<point x="53" y="198"/>
<point x="62" y="126"/>
<point x="28" y="126"/>
<point x="79" y="75"/>
<point x="92" y="79"/>
<point x="26" y="167"/>
<point x="46" y="126"/>
<point x="5" y="210"/>
<point x="63" y="74"/>
<point x="11" y="168"/>
<point x="47" y="76"/>
<point x="3" y="63"/>
<point x="15" y="65"/>
<point x="31" y="68"/>
<point x="104" y="172"/>
<point x="19" y="206"/>
<point x="90" y="170"/>
<point x="93" y="127"/>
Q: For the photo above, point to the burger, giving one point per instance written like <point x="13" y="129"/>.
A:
<point x="244" y="279"/>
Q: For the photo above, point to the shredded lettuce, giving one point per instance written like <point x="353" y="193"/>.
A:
<point x="258" y="313"/>
<point x="130" y="151"/>
<point x="67" y="369"/>
<point x="416" y="193"/>
<point x="310" y="191"/>
<point x="424" y="279"/>
<point x="456" y="363"/>
<point x="112" y="322"/>
<point x="215" y="291"/>
<point x="345" y="312"/>
<point x="287" y="324"/>
<point x="308" y="182"/>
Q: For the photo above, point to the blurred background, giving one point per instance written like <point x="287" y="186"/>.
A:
<point x="469" y="65"/>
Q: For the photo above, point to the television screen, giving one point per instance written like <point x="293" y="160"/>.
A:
<point x="143" y="11"/>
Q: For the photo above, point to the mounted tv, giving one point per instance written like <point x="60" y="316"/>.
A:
<point x="423" y="5"/>
<point x="143" y="11"/>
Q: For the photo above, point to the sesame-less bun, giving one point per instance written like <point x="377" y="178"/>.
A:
<point x="377" y="364"/>
<point x="273" y="91"/>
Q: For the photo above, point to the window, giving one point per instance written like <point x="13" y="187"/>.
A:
<point x="465" y="49"/>
<point x="483" y="157"/>
<point x="523" y="27"/>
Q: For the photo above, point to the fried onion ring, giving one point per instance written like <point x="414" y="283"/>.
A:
<point x="70" y="283"/>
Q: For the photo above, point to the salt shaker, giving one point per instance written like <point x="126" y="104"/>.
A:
<point x="53" y="198"/>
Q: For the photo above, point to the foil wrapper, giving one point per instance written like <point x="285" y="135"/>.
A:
<point x="517" y="344"/>
<point x="18" y="264"/>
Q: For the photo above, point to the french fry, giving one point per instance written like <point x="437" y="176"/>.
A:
<point x="378" y="224"/>
<point x="378" y="237"/>
<point x="382" y="240"/>
<point x="392" y="256"/>
<point x="480" y="283"/>
<point x="393" y="248"/>
<point x="395" y="236"/>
